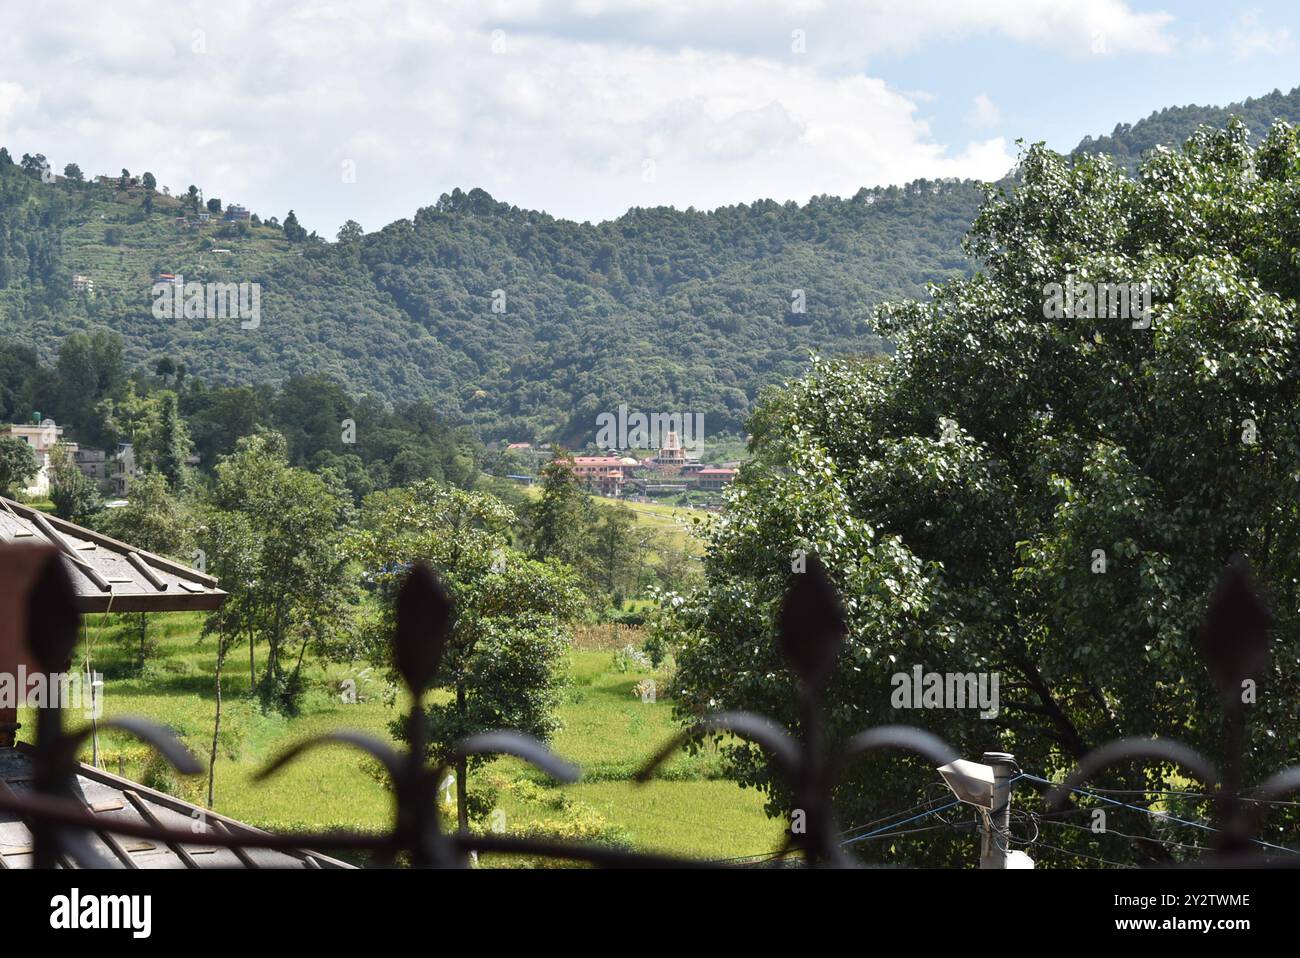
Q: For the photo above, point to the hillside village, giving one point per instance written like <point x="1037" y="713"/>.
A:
<point x="110" y="471"/>
<point x="670" y="474"/>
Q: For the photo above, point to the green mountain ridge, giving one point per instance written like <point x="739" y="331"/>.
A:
<point x="664" y="310"/>
<point x="519" y="324"/>
<point x="1170" y="126"/>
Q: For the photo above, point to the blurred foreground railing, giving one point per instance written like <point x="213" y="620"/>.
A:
<point x="811" y="631"/>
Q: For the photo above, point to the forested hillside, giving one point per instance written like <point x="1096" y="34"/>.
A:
<point x="511" y="321"/>
<point x="662" y="309"/>
<point x="1172" y="125"/>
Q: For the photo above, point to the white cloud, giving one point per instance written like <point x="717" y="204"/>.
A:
<point x="984" y="113"/>
<point x="846" y="32"/>
<point x="564" y="119"/>
<point x="1250" y="39"/>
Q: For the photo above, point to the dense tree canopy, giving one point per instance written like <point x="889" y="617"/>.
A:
<point x="963" y="493"/>
<point x="511" y="614"/>
<point x="517" y="323"/>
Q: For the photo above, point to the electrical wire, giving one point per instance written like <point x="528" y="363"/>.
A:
<point x="885" y="818"/>
<point x="1200" y="795"/>
<point x="1163" y="816"/>
<point x="1004" y="839"/>
<point x="1140" y="838"/>
<point x="1066" y="851"/>
<point x="886" y="828"/>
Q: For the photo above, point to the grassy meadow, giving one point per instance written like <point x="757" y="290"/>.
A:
<point x="608" y="730"/>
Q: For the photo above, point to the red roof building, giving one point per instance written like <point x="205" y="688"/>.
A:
<point x="715" y="478"/>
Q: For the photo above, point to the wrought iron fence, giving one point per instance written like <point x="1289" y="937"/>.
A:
<point x="811" y="630"/>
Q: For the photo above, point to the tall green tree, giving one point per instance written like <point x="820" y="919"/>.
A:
<point x="614" y="550"/>
<point x="73" y="493"/>
<point x="559" y="520"/>
<point x="170" y="446"/>
<point x="503" y="667"/>
<point x="234" y="547"/>
<point x="293" y="591"/>
<point x="90" y="369"/>
<point x="1046" y="499"/>
<point x="156" y="521"/>
<point x="18" y="465"/>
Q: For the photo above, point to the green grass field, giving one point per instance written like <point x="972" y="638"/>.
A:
<point x="608" y="730"/>
<point x="675" y="521"/>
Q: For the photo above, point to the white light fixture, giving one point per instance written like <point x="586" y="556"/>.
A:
<point x="971" y="782"/>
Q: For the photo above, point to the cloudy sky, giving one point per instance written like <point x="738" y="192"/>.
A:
<point x="370" y="110"/>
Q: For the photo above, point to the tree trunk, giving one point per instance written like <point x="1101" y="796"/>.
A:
<point x="216" y="725"/>
<point x="462" y="795"/>
<point x="462" y="772"/>
<point x="144" y="638"/>
<point x="297" y="668"/>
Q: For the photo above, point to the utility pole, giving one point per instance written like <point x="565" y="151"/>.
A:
<point x="997" y="821"/>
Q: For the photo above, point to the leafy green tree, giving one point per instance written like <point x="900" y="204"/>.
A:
<point x="170" y="446"/>
<point x="220" y="417"/>
<point x="234" y="548"/>
<point x="351" y="233"/>
<point x="503" y="666"/>
<point x="18" y="465"/>
<point x="614" y="550"/>
<point x="34" y="165"/>
<point x="156" y="521"/>
<point x="73" y="173"/>
<point x="558" y="521"/>
<point x="90" y="369"/>
<point x="293" y="230"/>
<point x="152" y="423"/>
<point x="73" y="493"/>
<point x="149" y="182"/>
<point x="294" y="591"/>
<point x="1046" y="499"/>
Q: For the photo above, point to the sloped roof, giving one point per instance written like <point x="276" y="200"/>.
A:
<point x="110" y="797"/>
<point x="109" y="575"/>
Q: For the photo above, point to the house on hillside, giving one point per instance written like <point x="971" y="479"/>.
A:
<point x="714" y="479"/>
<point x="604" y="475"/>
<point x="42" y="437"/>
<point x="112" y="472"/>
<point x="82" y="284"/>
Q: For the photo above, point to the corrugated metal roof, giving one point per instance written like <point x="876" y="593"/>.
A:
<point x="110" y="797"/>
<point x="109" y="575"/>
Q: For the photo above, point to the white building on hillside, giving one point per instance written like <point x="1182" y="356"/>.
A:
<point x="42" y="437"/>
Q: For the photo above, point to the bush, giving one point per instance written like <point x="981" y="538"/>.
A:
<point x="159" y="775"/>
<point x="631" y="659"/>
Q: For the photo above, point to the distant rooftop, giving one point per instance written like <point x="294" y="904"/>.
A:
<point x="109" y="575"/>
<point x="112" y="798"/>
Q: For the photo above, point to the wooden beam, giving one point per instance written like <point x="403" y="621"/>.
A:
<point x="240" y="853"/>
<point x="147" y="814"/>
<point x="143" y="568"/>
